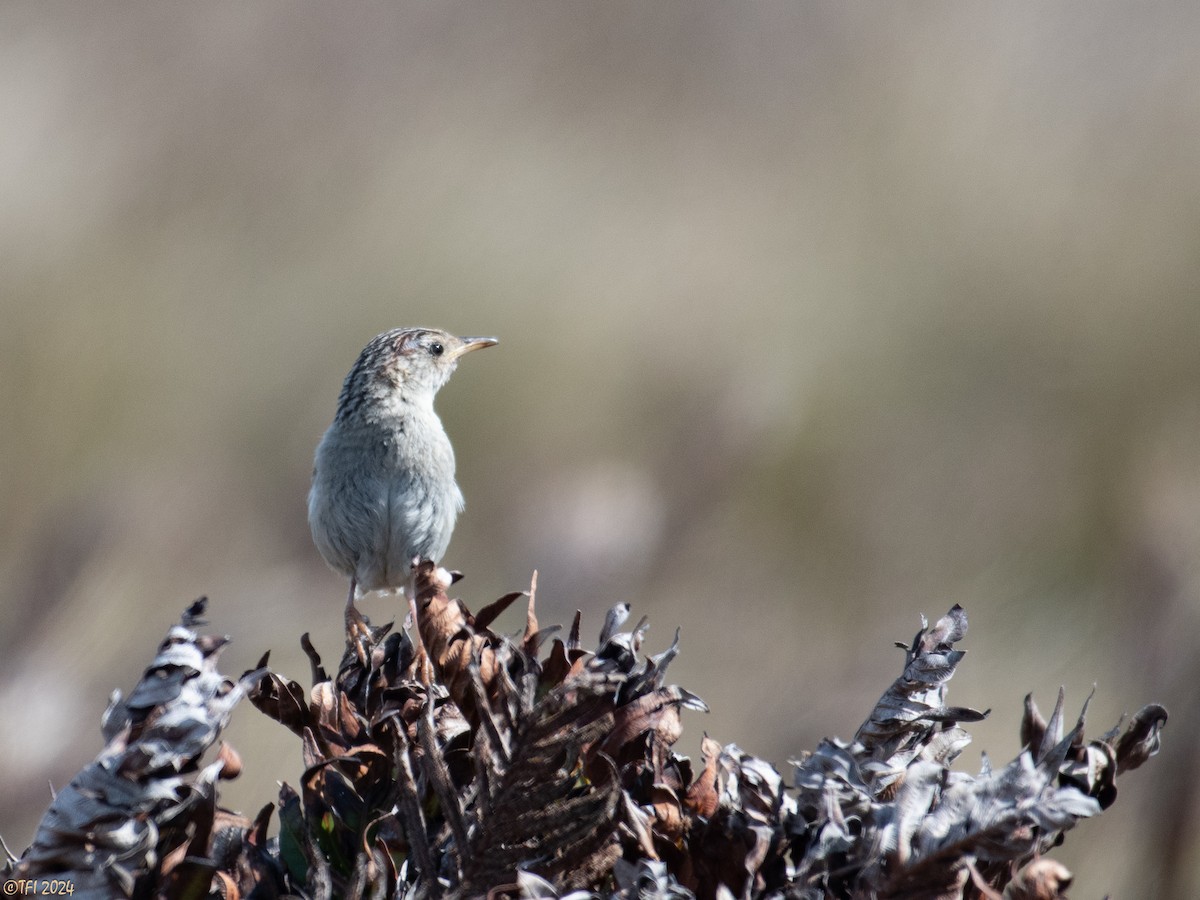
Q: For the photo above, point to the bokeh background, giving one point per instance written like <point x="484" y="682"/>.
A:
<point x="814" y="318"/>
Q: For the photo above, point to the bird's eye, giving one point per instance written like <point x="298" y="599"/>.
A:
<point x="436" y="349"/>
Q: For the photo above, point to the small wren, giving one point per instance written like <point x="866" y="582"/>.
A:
<point x="383" y="491"/>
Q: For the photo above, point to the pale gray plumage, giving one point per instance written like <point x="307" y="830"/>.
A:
<point x="383" y="490"/>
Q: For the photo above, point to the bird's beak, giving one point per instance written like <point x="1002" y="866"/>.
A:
<point x="474" y="343"/>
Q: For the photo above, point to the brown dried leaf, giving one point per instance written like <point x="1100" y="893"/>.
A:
<point x="701" y="796"/>
<point x="486" y="616"/>
<point x="314" y="659"/>
<point x="1033" y="726"/>
<point x="1042" y="879"/>
<point x="284" y="701"/>
<point x="556" y="666"/>
<point x="573" y="642"/>
<point x="452" y="644"/>
<point x="657" y="712"/>
<point x="1141" y="739"/>
<point x="669" y="820"/>
<point x="231" y="762"/>
<point x="529" y="641"/>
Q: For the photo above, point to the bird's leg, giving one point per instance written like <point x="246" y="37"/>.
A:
<point x="357" y="630"/>
<point x="410" y="590"/>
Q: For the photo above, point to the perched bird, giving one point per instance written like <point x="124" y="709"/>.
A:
<point x="383" y="490"/>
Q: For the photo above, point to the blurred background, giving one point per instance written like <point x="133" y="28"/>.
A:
<point x="814" y="318"/>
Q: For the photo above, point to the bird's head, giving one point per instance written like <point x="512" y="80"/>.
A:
<point x="405" y="364"/>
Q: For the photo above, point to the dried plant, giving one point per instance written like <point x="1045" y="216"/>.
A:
<point x="476" y="765"/>
<point x="141" y="819"/>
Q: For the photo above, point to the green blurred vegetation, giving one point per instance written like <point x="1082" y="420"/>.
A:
<point x="814" y="318"/>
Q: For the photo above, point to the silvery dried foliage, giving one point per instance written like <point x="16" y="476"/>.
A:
<point x="121" y="826"/>
<point x="474" y="764"/>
